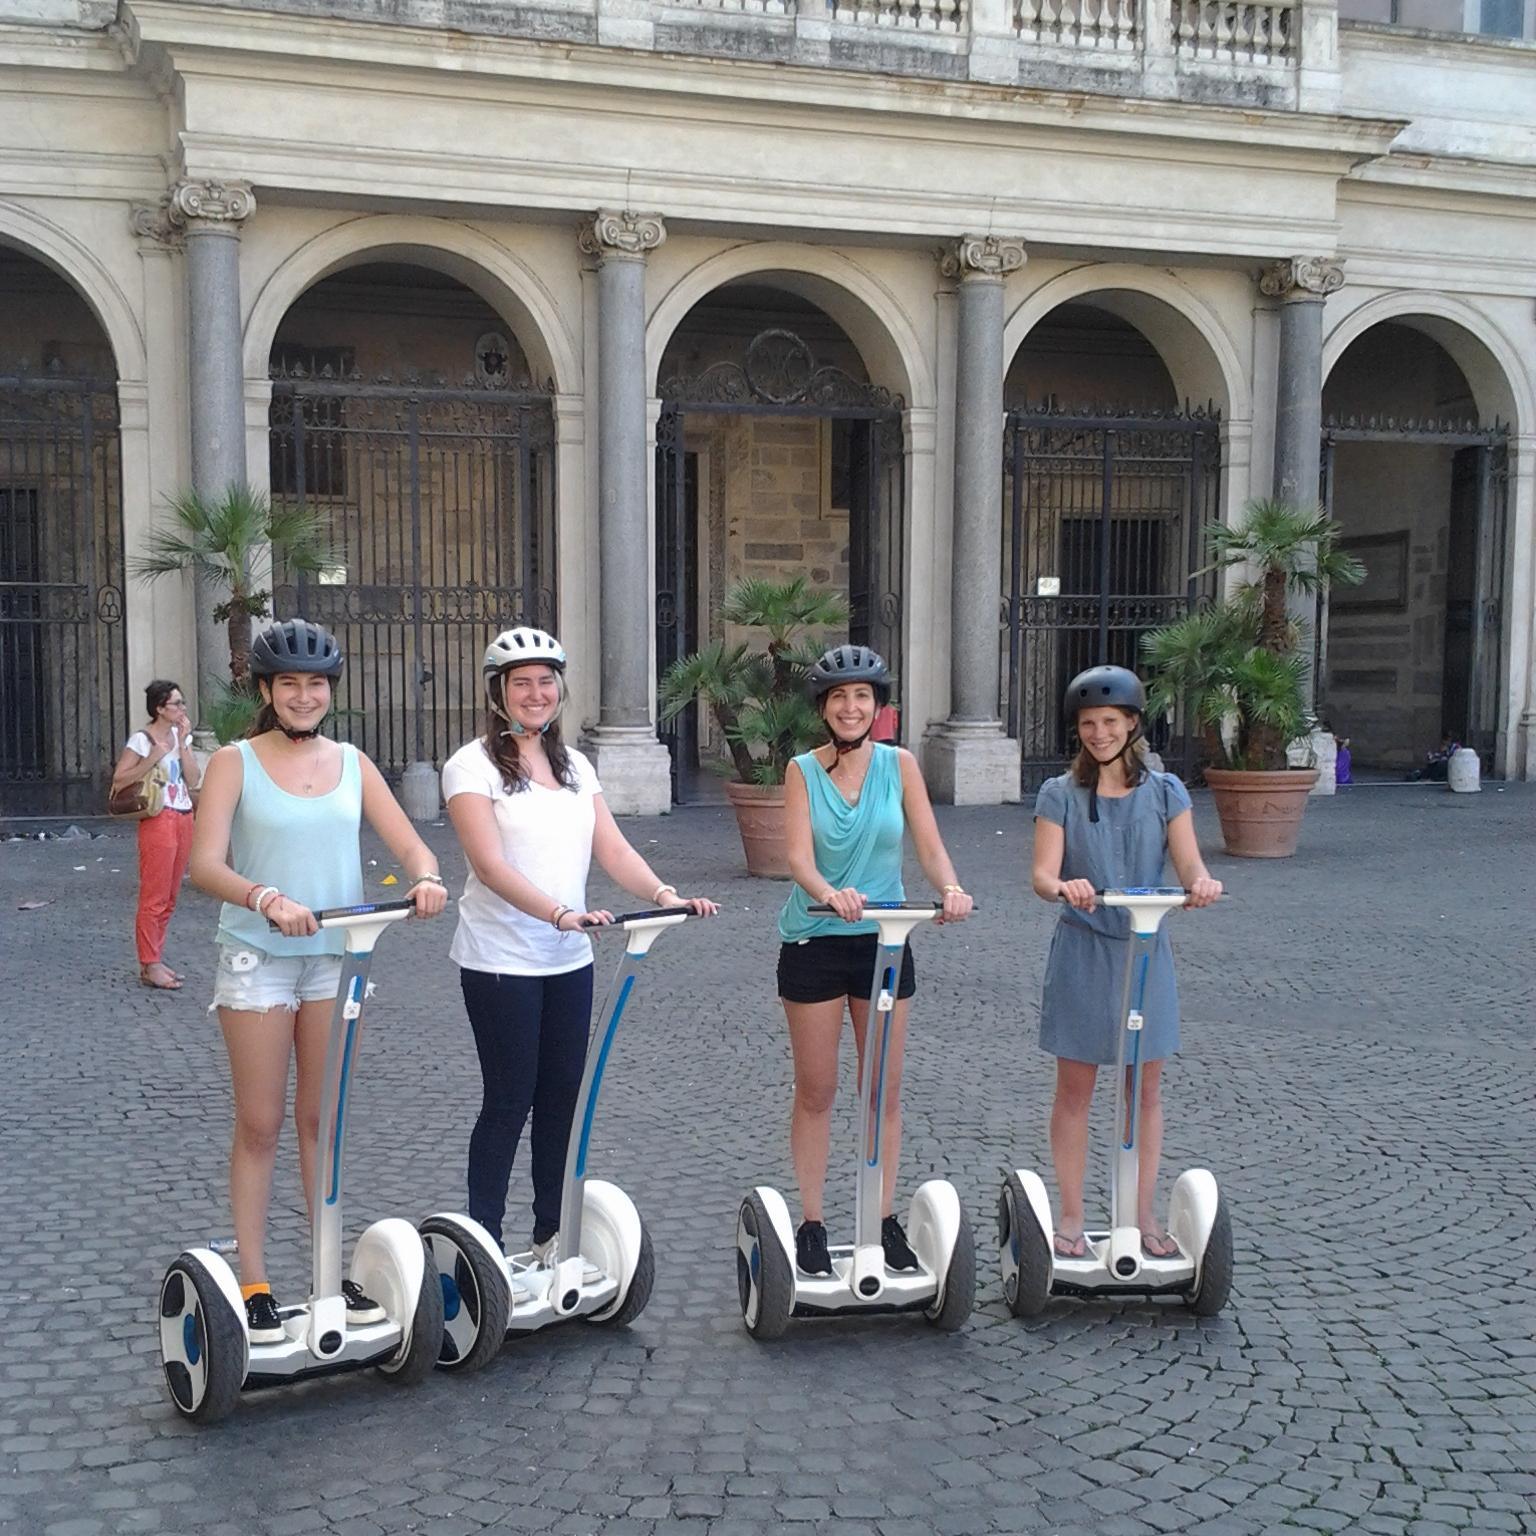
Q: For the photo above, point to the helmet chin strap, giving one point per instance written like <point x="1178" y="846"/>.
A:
<point x="293" y="735"/>
<point x="1099" y="767"/>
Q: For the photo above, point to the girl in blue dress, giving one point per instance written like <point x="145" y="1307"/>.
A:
<point x="1108" y="822"/>
<point x="847" y="807"/>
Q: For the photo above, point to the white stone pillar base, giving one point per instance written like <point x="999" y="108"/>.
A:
<point x="419" y="792"/>
<point x="971" y="764"/>
<point x="634" y="769"/>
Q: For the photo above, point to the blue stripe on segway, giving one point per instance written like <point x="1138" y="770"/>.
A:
<point x="597" y="1076"/>
<point x="887" y="984"/>
<point x="1141" y="979"/>
<point x="355" y="996"/>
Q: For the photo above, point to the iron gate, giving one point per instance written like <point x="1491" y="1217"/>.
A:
<point x="780" y="376"/>
<point x="442" y="516"/>
<point x="63" y="648"/>
<point x="1101" y="537"/>
<point x="1474" y="623"/>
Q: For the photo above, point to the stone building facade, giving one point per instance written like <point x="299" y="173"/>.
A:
<point x="576" y="310"/>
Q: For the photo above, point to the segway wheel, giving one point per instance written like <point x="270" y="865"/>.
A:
<point x="1026" y="1254"/>
<point x="959" y="1281"/>
<point x="413" y="1362"/>
<point x="764" y="1280"/>
<point x="639" y="1292"/>
<point x="1214" y="1288"/>
<point x="202" y="1342"/>
<point x="476" y="1299"/>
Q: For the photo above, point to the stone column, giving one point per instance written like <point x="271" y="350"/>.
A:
<point x="633" y="766"/>
<point x="1301" y="283"/>
<point x="969" y="759"/>
<point x="209" y="214"/>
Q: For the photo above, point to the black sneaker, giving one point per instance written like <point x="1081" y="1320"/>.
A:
<point x="811" y="1256"/>
<point x="263" y="1324"/>
<point x="360" y="1308"/>
<point x="898" y="1251"/>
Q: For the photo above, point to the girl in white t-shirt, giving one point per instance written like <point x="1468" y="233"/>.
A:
<point x="530" y="815"/>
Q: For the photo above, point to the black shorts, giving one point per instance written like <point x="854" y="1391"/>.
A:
<point x="836" y="965"/>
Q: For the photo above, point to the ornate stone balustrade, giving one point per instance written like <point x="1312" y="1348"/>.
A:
<point x="1111" y="25"/>
<point x="1236" y="31"/>
<point x="903" y="15"/>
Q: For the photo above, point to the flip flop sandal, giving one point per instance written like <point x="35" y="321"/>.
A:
<point x="1070" y="1247"/>
<point x="1162" y="1240"/>
<point x="173" y="985"/>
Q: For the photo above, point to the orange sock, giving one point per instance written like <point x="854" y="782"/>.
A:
<point x="247" y="1291"/>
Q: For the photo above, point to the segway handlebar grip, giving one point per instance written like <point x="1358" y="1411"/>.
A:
<point x="369" y="911"/>
<point x="650" y="914"/>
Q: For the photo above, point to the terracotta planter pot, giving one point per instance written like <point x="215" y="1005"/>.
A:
<point x="760" y="820"/>
<point x="1260" y="810"/>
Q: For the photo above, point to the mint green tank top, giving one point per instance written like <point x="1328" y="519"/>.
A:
<point x="305" y="845"/>
<point x="857" y="845"/>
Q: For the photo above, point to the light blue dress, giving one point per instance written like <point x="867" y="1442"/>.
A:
<point x="857" y="845"/>
<point x="1084" y="973"/>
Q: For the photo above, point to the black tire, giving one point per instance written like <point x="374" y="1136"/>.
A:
<point x="639" y="1292"/>
<point x="772" y="1287"/>
<point x="417" y="1357"/>
<point x="1029" y="1288"/>
<point x="211" y="1331"/>
<point x="959" y="1281"/>
<point x="1214" y="1288"/>
<point x="476" y="1297"/>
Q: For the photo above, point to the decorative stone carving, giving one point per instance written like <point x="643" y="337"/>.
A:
<point x="1302" y="278"/>
<point x="151" y="222"/>
<point x="616" y="233"/>
<point x="982" y="256"/>
<point x="213" y="202"/>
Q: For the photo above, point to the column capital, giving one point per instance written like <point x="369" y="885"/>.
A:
<point x="993" y="256"/>
<point x="210" y="202"/>
<point x="1302" y="279"/>
<point x="621" y="233"/>
<point x="152" y="224"/>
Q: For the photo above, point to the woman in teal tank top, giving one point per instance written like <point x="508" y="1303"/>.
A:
<point x="848" y="806"/>
<point x="277" y="840"/>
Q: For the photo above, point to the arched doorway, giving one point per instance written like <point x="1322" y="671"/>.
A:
<point x="403" y="404"/>
<point x="1415" y="474"/>
<point x="777" y="456"/>
<point x="64" y="709"/>
<point x="1108" y="477"/>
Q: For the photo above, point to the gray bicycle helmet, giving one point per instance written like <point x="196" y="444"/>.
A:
<point x="1098" y="687"/>
<point x="850" y="664"/>
<point x="295" y="645"/>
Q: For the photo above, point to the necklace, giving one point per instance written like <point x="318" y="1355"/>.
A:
<point x="313" y="769"/>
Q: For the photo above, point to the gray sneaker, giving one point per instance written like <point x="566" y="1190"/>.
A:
<point x="546" y="1254"/>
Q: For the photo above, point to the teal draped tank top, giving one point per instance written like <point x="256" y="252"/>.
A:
<point x="857" y="845"/>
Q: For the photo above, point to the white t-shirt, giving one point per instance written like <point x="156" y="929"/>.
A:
<point x="177" y="796"/>
<point x="546" y="836"/>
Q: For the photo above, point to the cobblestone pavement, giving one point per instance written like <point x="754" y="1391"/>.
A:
<point x="1357" y="1070"/>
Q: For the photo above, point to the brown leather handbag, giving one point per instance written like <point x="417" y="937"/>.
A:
<point x="143" y="798"/>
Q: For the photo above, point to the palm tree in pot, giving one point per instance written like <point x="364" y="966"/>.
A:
<point x="1240" y="668"/>
<point x="225" y="540"/>
<point x="758" y="699"/>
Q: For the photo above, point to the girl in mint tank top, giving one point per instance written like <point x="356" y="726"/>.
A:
<point x="277" y="840"/>
<point x="848" y="808"/>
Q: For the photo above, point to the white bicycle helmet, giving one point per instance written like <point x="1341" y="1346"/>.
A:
<point x="522" y="646"/>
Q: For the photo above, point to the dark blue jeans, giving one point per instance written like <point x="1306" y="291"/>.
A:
<point x="531" y="1035"/>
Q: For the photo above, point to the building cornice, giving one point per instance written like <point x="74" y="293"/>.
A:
<point x="456" y="64"/>
<point x="1448" y="182"/>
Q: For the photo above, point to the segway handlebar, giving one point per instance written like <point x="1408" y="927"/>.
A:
<point x="873" y="909"/>
<point x="364" y="912"/>
<point x="649" y="915"/>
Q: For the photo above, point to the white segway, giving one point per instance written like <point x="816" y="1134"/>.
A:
<point x="943" y="1288"/>
<point x="603" y="1268"/>
<point x="208" y="1358"/>
<point x="1115" y="1264"/>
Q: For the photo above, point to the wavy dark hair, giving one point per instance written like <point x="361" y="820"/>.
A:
<point x="501" y="747"/>
<point x="1085" y="766"/>
<point x="156" y="693"/>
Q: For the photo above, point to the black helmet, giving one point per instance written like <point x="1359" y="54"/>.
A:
<point x="295" y="645"/>
<point x="850" y="664"/>
<point x="1115" y="687"/>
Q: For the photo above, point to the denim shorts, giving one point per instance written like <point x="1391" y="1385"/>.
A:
<point x="837" y="965"/>
<point x="252" y="981"/>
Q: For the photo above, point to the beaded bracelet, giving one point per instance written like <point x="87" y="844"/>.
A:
<point x="555" y="920"/>
<point x="266" y="899"/>
<point x="429" y="879"/>
<point x="656" y="894"/>
<point x="258" y="894"/>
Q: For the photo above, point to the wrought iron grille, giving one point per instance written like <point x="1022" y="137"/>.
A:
<point x="442" y="515"/>
<point x="1101" y="537"/>
<point x="63" y="649"/>
<point x="780" y="375"/>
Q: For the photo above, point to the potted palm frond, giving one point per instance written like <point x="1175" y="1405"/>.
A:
<point x="758" y="698"/>
<point x="225" y="539"/>
<point x="1240" y="668"/>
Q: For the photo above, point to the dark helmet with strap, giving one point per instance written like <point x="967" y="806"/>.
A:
<point x="845" y="664"/>
<point x="1105" y="687"/>
<point x="295" y="645"/>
